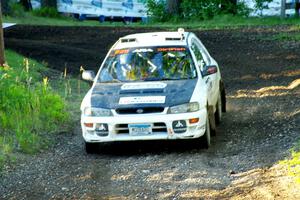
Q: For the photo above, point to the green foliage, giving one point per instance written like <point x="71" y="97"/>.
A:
<point x="200" y="9"/>
<point x="287" y="37"/>
<point x="242" y="9"/>
<point x="196" y="10"/>
<point x="29" y="110"/>
<point x="16" y="9"/>
<point x="46" y="12"/>
<point x="157" y="10"/>
<point x="293" y="165"/>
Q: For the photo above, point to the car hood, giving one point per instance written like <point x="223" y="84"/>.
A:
<point x="142" y="94"/>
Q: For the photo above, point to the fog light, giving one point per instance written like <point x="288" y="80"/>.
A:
<point x="89" y="125"/>
<point x="194" y="120"/>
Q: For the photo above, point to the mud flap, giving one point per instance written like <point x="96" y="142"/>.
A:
<point x="212" y="119"/>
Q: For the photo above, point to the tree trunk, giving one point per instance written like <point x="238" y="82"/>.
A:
<point x="2" y="57"/>
<point x="26" y="4"/>
<point x="4" y="7"/>
<point x="173" y="7"/>
<point x="49" y="3"/>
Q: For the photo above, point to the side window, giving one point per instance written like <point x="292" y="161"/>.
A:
<point x="201" y="56"/>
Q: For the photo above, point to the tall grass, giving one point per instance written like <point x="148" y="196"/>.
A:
<point x="30" y="111"/>
<point x="293" y="163"/>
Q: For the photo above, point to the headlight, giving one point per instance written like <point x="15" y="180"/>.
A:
<point x="184" y="108"/>
<point x="97" y="112"/>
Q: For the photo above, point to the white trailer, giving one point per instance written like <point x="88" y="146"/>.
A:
<point x="105" y="8"/>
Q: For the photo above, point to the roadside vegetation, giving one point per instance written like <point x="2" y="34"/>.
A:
<point x="193" y="14"/>
<point x="31" y="111"/>
<point x="217" y="22"/>
<point x="293" y="163"/>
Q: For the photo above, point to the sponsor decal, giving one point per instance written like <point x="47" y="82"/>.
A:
<point x="141" y="86"/>
<point x="69" y="2"/>
<point x="97" y="3"/>
<point x="142" y="100"/>
<point x="121" y="51"/>
<point x="142" y="50"/>
<point x="171" y="49"/>
<point x="128" y="4"/>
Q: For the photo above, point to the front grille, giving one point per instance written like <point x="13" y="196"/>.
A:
<point x="146" y="110"/>
<point x="156" y="128"/>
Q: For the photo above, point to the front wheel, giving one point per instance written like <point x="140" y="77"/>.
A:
<point x="205" y="139"/>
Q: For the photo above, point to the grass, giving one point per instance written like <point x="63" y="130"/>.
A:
<point x="287" y="37"/>
<point x="218" y="22"/>
<point x="293" y="163"/>
<point x="32" y="108"/>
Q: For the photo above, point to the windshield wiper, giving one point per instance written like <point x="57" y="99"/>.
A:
<point x="161" y="79"/>
<point x="113" y="81"/>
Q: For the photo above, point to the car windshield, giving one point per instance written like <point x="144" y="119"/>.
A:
<point x="148" y="64"/>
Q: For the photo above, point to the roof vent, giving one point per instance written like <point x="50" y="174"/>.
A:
<point x="125" y="40"/>
<point x="173" y="39"/>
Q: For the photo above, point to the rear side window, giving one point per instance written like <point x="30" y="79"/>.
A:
<point x="201" y="58"/>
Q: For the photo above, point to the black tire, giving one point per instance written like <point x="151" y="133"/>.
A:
<point x="223" y="96"/>
<point x="206" y="139"/>
<point x="91" y="148"/>
<point x="218" y="113"/>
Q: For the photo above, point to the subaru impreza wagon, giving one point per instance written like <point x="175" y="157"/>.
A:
<point x="153" y="86"/>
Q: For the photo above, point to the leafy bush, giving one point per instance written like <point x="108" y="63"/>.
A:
<point x="196" y="9"/>
<point x="243" y="9"/>
<point x="16" y="9"/>
<point x="157" y="10"/>
<point x="200" y="9"/>
<point x="46" y="12"/>
<point x="29" y="111"/>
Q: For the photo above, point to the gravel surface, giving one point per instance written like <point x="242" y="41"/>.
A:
<point x="261" y="125"/>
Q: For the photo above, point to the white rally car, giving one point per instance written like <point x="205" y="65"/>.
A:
<point x="153" y="86"/>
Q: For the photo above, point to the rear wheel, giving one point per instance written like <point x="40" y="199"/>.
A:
<point x="91" y="148"/>
<point x="205" y="139"/>
<point x="223" y="96"/>
<point x="218" y="113"/>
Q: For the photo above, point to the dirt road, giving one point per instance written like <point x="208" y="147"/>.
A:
<point x="261" y="125"/>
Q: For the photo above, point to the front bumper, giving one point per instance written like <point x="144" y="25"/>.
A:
<point x="162" y="126"/>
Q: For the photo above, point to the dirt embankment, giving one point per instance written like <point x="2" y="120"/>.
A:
<point x="261" y="125"/>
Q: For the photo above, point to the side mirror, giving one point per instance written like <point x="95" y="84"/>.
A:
<point x="210" y="69"/>
<point x="88" y="75"/>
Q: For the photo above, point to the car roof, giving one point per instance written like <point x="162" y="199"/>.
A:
<point x="153" y="39"/>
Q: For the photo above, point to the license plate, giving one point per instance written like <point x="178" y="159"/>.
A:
<point x="139" y="129"/>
